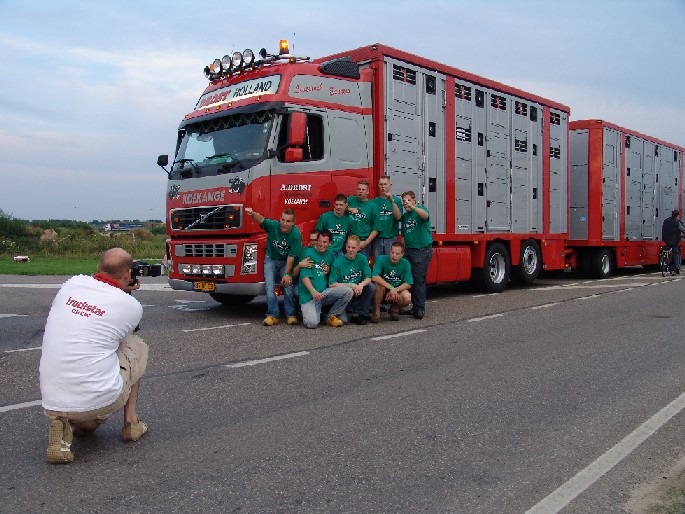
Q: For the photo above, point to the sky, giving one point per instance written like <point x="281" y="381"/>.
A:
<point x="92" y="92"/>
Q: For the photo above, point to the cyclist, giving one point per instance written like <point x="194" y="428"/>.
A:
<point x="671" y="232"/>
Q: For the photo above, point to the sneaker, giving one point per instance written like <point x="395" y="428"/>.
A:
<point x="419" y="314"/>
<point x="270" y="321"/>
<point x="60" y="437"/>
<point x="292" y="320"/>
<point x="375" y="317"/>
<point x="133" y="431"/>
<point x="334" y="321"/>
<point x="394" y="312"/>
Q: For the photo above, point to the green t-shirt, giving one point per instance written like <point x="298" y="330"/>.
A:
<point x="348" y="271"/>
<point x="365" y="220"/>
<point x="393" y="274"/>
<point x="388" y="226"/>
<point x="338" y="227"/>
<point x="278" y="244"/>
<point x="416" y="231"/>
<point x="316" y="273"/>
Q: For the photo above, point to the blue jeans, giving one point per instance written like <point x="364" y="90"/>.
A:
<point x="273" y="272"/>
<point x="381" y="246"/>
<point x="675" y="256"/>
<point x="419" y="258"/>
<point x="360" y="305"/>
<point x="336" y="297"/>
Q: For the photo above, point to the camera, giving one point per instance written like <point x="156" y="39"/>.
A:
<point x="143" y="269"/>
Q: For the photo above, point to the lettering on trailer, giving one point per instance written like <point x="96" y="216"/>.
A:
<point x="324" y="90"/>
<point x="293" y="191"/>
<point x="247" y="89"/>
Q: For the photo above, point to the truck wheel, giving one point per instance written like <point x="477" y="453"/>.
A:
<point x="531" y="263"/>
<point x="230" y="299"/>
<point x="494" y="276"/>
<point x="601" y="264"/>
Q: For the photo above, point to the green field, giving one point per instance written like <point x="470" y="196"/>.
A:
<point x="54" y="265"/>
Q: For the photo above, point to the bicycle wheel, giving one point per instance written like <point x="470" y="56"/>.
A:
<point x="663" y="262"/>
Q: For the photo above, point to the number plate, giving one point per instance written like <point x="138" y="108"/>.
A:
<point x="204" y="286"/>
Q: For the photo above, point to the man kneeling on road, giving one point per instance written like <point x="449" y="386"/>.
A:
<point x="91" y="362"/>
<point x="393" y="279"/>
<point x="314" y="293"/>
<point x="352" y="270"/>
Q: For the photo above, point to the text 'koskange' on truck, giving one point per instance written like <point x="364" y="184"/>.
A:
<point x="490" y="162"/>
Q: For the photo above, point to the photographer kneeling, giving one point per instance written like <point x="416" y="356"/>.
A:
<point x="91" y="362"/>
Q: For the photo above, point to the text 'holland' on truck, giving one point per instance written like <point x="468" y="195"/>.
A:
<point x="490" y="162"/>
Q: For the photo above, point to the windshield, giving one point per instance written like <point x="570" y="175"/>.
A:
<point x="222" y="145"/>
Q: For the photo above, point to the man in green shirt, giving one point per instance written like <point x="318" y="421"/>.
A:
<point x="282" y="239"/>
<point x="351" y="270"/>
<point x="363" y="217"/>
<point x="337" y="222"/>
<point x="393" y="278"/>
<point x="389" y="215"/>
<point x="314" y="290"/>
<point x="416" y="230"/>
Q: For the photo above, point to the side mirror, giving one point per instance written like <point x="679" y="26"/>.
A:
<point x="162" y="161"/>
<point x="294" y="155"/>
<point x="296" y="130"/>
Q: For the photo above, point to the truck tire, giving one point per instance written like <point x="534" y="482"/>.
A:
<point x="230" y="299"/>
<point x="494" y="276"/>
<point x="530" y="264"/>
<point x="601" y="264"/>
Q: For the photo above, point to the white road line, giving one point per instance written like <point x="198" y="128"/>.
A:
<point x="482" y="318"/>
<point x="11" y="315"/>
<point x="17" y="406"/>
<point x="588" y="297"/>
<point x="544" y="306"/>
<point x="23" y="349"/>
<point x="623" y="290"/>
<point x="588" y="476"/>
<point x="215" y="328"/>
<point x="269" y="359"/>
<point x="401" y="334"/>
<point x="190" y="301"/>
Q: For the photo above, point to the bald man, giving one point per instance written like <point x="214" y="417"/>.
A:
<point x="91" y="362"/>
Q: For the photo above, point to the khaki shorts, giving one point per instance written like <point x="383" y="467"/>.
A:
<point x="132" y="355"/>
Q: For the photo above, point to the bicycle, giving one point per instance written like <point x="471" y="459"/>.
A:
<point x="665" y="261"/>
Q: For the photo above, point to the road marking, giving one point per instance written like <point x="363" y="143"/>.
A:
<point x="545" y="306"/>
<point x="401" y="334"/>
<point x="268" y="359"/>
<point x="491" y="316"/>
<point x="190" y="301"/>
<point x="17" y="406"/>
<point x="588" y="476"/>
<point x="588" y="297"/>
<point x="215" y="328"/>
<point x="23" y="349"/>
<point x="11" y="315"/>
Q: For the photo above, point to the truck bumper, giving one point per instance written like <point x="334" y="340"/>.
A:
<point x="254" y="289"/>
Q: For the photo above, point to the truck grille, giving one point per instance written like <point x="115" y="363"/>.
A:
<point x="205" y="250"/>
<point x="213" y="217"/>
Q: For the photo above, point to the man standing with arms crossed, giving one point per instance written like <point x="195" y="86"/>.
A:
<point x="418" y="241"/>
<point x="363" y="217"/>
<point x="91" y="363"/>
<point x="283" y="239"/>
<point x="389" y="215"/>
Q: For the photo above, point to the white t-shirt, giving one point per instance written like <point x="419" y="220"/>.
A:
<point x="79" y="367"/>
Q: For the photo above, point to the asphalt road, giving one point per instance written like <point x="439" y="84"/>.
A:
<point x="489" y="404"/>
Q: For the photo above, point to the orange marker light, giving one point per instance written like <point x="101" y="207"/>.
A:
<point x="283" y="47"/>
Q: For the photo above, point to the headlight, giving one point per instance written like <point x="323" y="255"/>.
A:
<point x="237" y="60"/>
<point x="196" y="269"/>
<point x="226" y="63"/>
<point x="206" y="269"/>
<point x="184" y="269"/>
<point x="217" y="269"/>
<point x="216" y="65"/>
<point x="248" y="58"/>
<point x="249" y="266"/>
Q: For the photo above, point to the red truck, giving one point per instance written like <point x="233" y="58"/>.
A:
<point x="271" y="131"/>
